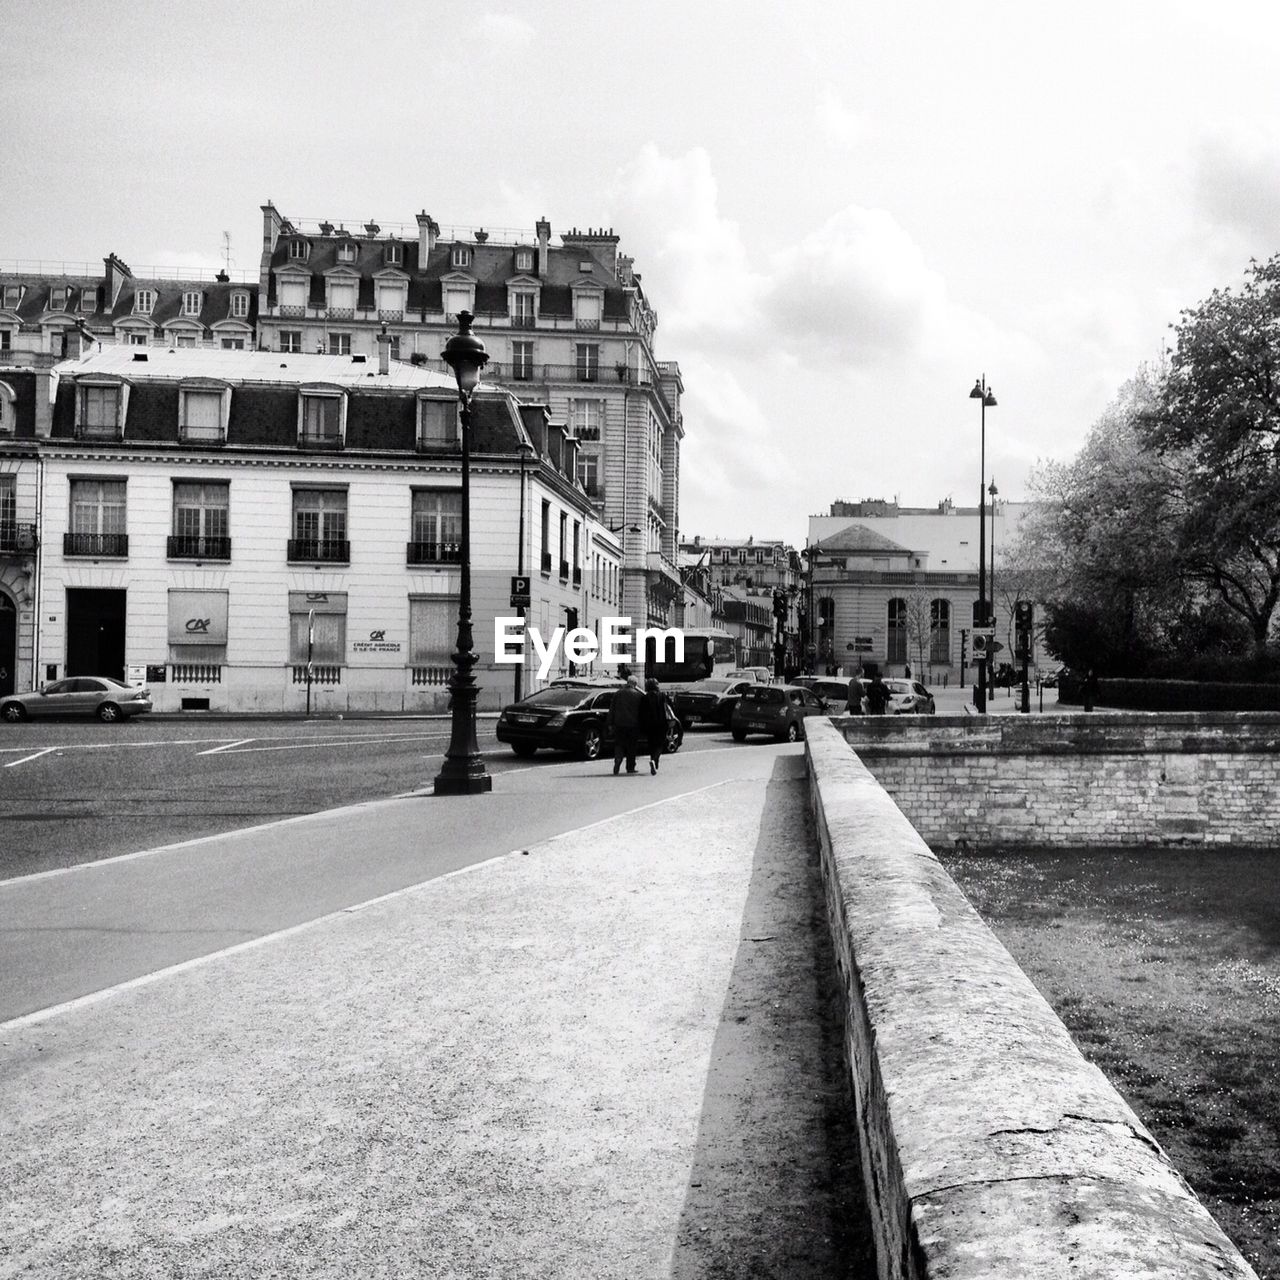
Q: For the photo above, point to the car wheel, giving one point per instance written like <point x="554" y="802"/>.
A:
<point x="739" y="735"/>
<point x="591" y="743"/>
<point x="108" y="713"/>
<point x="524" y="749"/>
<point x="13" y="712"/>
<point x="793" y="732"/>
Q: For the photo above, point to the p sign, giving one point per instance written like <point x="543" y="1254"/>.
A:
<point x="519" y="592"/>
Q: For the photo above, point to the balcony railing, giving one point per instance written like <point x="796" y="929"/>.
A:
<point x="524" y="322"/>
<point x="434" y="552"/>
<point x="314" y="440"/>
<point x="195" y="673"/>
<point x="319" y="674"/>
<point x="291" y="311"/>
<point x="17" y="537"/>
<point x="184" y="547"/>
<point x="431" y="675"/>
<point x="340" y="313"/>
<point x="324" y="550"/>
<point x="388" y="315"/>
<point x="95" y="544"/>
<point x="95" y="431"/>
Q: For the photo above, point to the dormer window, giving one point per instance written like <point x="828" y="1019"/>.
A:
<point x="99" y="410"/>
<point x="202" y="412"/>
<point x="58" y="298"/>
<point x="88" y="300"/>
<point x="523" y="308"/>
<point x="457" y="298"/>
<point x="342" y="297"/>
<point x="524" y="259"/>
<point x="192" y="302"/>
<point x="322" y="417"/>
<point x="586" y="310"/>
<point x="437" y="422"/>
<point x="143" y="301"/>
<point x="239" y="306"/>
<point x="461" y="256"/>
<point x="394" y="255"/>
<point x="347" y="251"/>
<point x="299" y="249"/>
<point x="12" y="296"/>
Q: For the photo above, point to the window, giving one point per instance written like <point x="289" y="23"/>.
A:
<point x="391" y="298"/>
<point x="940" y="631"/>
<point x="436" y="531"/>
<point x="8" y="506"/>
<point x="545" y="530"/>
<point x="294" y="293"/>
<point x="192" y="302"/>
<point x="457" y="299"/>
<point x="346" y="251"/>
<point x="137" y="339"/>
<point x="201" y="520"/>
<point x="522" y="361"/>
<point x="433" y="630"/>
<point x="98" y="519"/>
<point x="321" y="419"/>
<point x="100" y="412"/>
<point x="200" y="414"/>
<point x="437" y="423"/>
<point x="577" y="553"/>
<point x="319" y="525"/>
<point x="394" y="352"/>
<point x="522" y="309"/>
<point x="524" y="259"/>
<point x="88" y="300"/>
<point x="759" y="557"/>
<point x="589" y="473"/>
<point x="342" y="295"/>
<point x="742" y="556"/>
<point x="58" y="298"/>
<point x="896" y="650"/>
<point x="339" y="344"/>
<point x="564" y="552"/>
<point x="291" y="341"/>
<point x="143" y="301"/>
<point x="299" y="249"/>
<point x="587" y="416"/>
<point x="12" y="296"/>
<point x="184" y="340"/>
<point x="586" y="310"/>
<point x="317" y="627"/>
<point x="233" y="344"/>
<point x="394" y="255"/>
<point x="588" y="362"/>
<point x="461" y="256"/>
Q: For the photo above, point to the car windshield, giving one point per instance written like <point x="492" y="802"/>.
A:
<point x="898" y="686"/>
<point x="764" y="694"/>
<point x="559" y="696"/>
<point x="831" y="689"/>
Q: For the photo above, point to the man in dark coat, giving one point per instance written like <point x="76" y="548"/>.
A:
<point x="655" y="721"/>
<point x="626" y="718"/>
<point x="877" y="696"/>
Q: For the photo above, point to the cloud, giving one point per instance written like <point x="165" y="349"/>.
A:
<point x="1236" y="178"/>
<point x="839" y="123"/>
<point x="505" y="29"/>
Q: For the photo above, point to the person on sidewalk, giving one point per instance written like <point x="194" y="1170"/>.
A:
<point x="655" y="721"/>
<point x="626" y="718"/>
<point x="877" y="696"/>
<point x="1090" y="690"/>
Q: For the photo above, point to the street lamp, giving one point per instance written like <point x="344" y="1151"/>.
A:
<point x="463" y="771"/>
<point x="983" y="395"/>
<point x="992" y="491"/>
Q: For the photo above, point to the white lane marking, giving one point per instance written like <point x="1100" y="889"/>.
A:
<point x="13" y="763"/>
<point x="107" y="746"/>
<point x="239" y="742"/>
<point x="312" y="743"/>
<point x="196" y="962"/>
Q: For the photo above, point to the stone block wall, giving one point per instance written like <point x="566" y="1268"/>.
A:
<point x="1084" y="780"/>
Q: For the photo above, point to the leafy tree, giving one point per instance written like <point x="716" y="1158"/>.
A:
<point x="919" y="623"/>
<point x="1219" y="415"/>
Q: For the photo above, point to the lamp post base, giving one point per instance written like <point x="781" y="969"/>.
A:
<point x="462" y="783"/>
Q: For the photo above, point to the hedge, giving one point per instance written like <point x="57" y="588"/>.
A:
<point x="1178" y="695"/>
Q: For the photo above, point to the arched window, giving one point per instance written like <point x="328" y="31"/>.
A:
<point x="940" y="632"/>
<point x="896" y="650"/>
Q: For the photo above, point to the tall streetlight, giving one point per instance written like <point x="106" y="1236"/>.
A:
<point x="992" y="491"/>
<point x="983" y="395"/>
<point x="463" y="771"/>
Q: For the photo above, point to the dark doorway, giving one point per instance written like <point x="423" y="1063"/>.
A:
<point x="8" y="644"/>
<point x="95" y="632"/>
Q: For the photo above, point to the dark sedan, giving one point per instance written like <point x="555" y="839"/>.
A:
<point x="708" y="701"/>
<point x="99" y="696"/>
<point x="568" y="717"/>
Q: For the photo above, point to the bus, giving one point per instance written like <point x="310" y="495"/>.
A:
<point x="709" y="654"/>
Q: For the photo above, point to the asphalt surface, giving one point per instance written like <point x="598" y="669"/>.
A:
<point x="589" y="1038"/>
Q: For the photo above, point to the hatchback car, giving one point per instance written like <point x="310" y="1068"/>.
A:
<point x="707" y="701"/>
<point x="909" y="698"/>
<point x="570" y="717"/>
<point x="842" y="696"/>
<point x="779" y="710"/>
<point x="99" y="696"/>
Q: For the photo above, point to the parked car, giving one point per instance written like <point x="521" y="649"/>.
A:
<point x="909" y="698"/>
<point x="707" y="701"/>
<point x="760" y="675"/>
<point x="779" y="710"/>
<point x="1050" y="679"/>
<point x="842" y="696"/>
<point x="99" y="696"/>
<point x="570" y="716"/>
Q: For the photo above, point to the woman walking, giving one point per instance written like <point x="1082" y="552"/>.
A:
<point x="655" y="721"/>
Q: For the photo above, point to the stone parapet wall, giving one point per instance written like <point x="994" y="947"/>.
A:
<point x="1083" y="780"/>
<point x="991" y="1148"/>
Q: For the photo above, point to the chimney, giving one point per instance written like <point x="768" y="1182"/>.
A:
<point x="384" y="351"/>
<point x="543" y="228"/>
<point x="625" y="273"/>
<point x="427" y="232"/>
<point x="271" y="225"/>
<point x="116" y="274"/>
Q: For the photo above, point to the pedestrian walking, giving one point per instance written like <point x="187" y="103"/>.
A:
<point x="877" y="696"/>
<point x="1090" y="689"/>
<point x="655" y="721"/>
<point x="626" y="719"/>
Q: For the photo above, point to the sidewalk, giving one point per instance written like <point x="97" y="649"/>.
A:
<point x="958" y="701"/>
<point x="610" y="1054"/>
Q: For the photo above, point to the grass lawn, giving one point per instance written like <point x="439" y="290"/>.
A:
<point x="1165" y="967"/>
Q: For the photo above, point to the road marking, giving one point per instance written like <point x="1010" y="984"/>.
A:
<point x="312" y="744"/>
<point x="196" y="962"/>
<point x="13" y="763"/>
<point x="239" y="742"/>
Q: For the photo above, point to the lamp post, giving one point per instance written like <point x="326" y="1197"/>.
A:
<point x="463" y="771"/>
<point x="992" y="491"/>
<point x="983" y="395"/>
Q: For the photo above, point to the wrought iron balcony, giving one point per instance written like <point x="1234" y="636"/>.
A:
<point x="320" y="550"/>
<point x="182" y="547"/>
<point x="17" y="537"/>
<point x="95" y="544"/>
<point x="434" y="553"/>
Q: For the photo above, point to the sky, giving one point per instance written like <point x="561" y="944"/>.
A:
<point x="842" y="213"/>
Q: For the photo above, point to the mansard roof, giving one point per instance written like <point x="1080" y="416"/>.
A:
<point x="858" y="538"/>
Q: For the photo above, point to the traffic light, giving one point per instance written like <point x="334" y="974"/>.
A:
<point x="1023" y="622"/>
<point x="980" y="613"/>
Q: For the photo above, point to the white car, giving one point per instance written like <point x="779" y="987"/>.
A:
<point x="757" y="675"/>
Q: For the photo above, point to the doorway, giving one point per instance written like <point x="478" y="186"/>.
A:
<point x="95" y="632"/>
<point x="8" y="645"/>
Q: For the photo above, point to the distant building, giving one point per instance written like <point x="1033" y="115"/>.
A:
<point x="235" y="528"/>
<point x="895" y="586"/>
